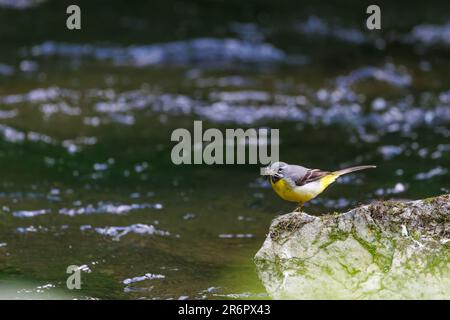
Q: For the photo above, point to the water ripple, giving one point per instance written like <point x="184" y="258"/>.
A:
<point x="195" y="51"/>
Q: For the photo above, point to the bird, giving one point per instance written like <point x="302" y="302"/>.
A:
<point x="299" y="184"/>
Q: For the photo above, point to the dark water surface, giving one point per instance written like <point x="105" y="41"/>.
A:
<point x="86" y="119"/>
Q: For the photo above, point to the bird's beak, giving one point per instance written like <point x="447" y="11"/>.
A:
<point x="267" y="171"/>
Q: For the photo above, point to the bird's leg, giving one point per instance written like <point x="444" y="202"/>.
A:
<point x="299" y="207"/>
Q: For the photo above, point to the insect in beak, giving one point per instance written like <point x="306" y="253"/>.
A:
<point x="268" y="171"/>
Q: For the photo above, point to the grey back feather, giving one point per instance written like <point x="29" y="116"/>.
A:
<point x="294" y="173"/>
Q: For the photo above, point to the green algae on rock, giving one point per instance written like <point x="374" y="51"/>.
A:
<point x="386" y="250"/>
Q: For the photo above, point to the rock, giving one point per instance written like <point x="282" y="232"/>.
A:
<point x="386" y="250"/>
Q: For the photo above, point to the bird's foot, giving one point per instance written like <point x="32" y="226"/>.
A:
<point x="299" y="208"/>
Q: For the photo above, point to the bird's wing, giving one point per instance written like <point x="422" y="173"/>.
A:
<point x="310" y="176"/>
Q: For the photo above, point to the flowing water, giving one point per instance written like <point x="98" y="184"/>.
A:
<point x="86" y="118"/>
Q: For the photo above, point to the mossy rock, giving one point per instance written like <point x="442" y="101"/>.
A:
<point x="386" y="250"/>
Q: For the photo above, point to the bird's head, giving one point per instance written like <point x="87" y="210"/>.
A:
<point x="275" y="170"/>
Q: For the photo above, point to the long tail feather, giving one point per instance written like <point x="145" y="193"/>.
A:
<point x="352" y="169"/>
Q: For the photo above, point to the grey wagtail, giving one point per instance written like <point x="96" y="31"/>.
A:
<point x="300" y="184"/>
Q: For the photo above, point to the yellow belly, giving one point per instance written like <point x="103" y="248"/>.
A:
<point x="303" y="193"/>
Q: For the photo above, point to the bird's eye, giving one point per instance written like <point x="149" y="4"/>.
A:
<point x="280" y="170"/>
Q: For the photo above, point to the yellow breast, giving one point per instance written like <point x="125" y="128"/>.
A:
<point x="302" y="193"/>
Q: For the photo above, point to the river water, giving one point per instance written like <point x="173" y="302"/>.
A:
<point x="86" y="118"/>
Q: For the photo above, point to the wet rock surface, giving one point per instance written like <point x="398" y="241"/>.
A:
<point x="385" y="250"/>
